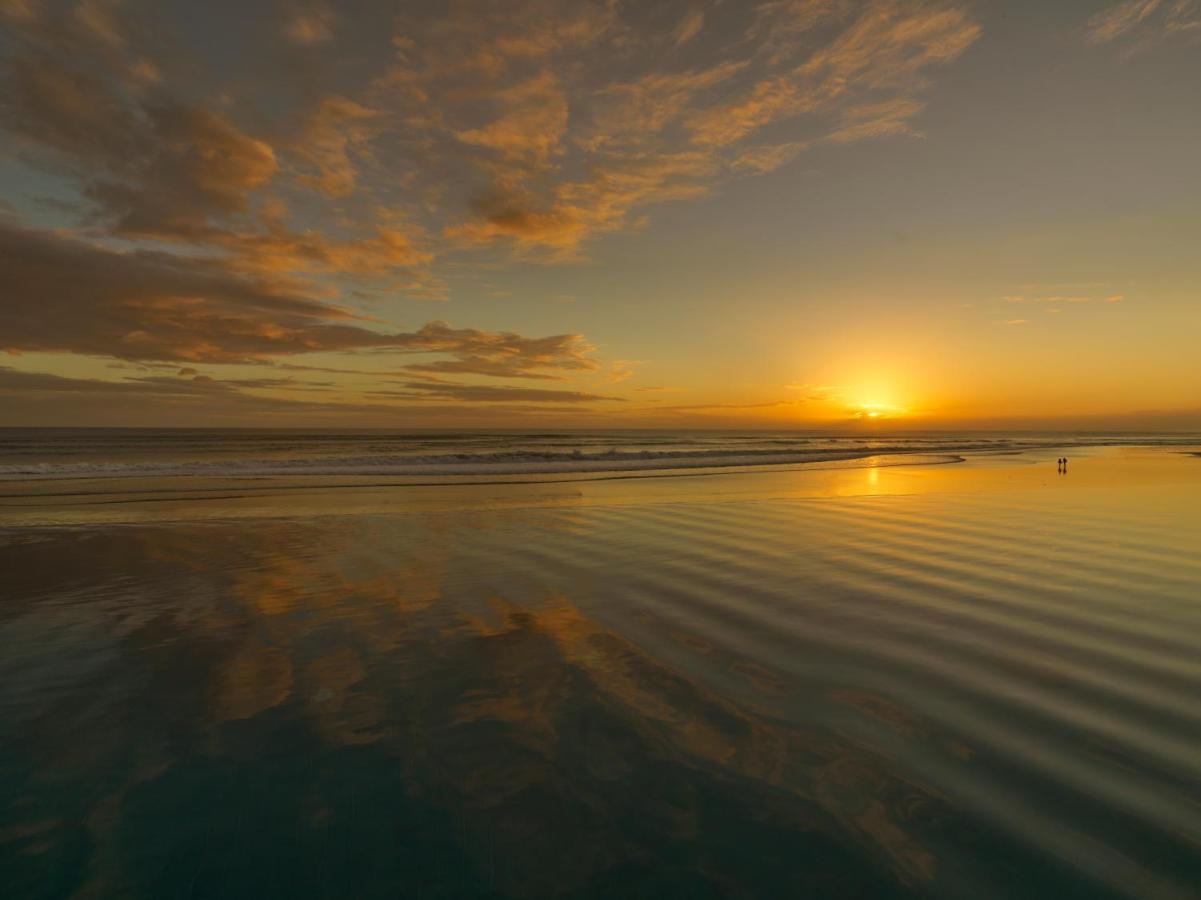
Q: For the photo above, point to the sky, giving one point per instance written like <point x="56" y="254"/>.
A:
<point x="886" y="214"/>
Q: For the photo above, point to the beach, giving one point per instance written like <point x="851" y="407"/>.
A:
<point x="929" y="667"/>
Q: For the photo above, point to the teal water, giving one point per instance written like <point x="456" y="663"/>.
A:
<point x="971" y="680"/>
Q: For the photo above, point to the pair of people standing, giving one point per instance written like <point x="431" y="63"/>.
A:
<point x="1063" y="463"/>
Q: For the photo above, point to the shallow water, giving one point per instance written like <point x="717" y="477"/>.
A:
<point x="73" y="454"/>
<point x="968" y="680"/>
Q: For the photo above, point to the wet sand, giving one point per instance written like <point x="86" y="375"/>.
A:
<point x="964" y="679"/>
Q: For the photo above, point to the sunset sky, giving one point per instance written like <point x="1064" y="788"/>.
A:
<point x="815" y="213"/>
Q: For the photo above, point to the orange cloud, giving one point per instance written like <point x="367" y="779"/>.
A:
<point x="532" y="122"/>
<point x="159" y="168"/>
<point x="1142" y="22"/>
<point x="80" y="298"/>
<point x="690" y="26"/>
<point x="19" y="10"/>
<point x="96" y="17"/>
<point x="281" y="251"/>
<point x="883" y="49"/>
<point x="522" y="130"/>
<point x="602" y="202"/>
<point x="635" y="112"/>
<point x="476" y="393"/>
<point x="875" y="120"/>
<point x="309" y="25"/>
<point x="493" y="126"/>
<point x="337" y="128"/>
<point x="769" y="157"/>
<point x="1119" y="19"/>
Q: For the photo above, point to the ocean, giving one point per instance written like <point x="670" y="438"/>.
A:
<point x="65" y="453"/>
<point x="606" y="664"/>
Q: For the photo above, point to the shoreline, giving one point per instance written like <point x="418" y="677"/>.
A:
<point x="585" y="478"/>
<point x="535" y="464"/>
<point x="204" y="498"/>
<point x="613" y="468"/>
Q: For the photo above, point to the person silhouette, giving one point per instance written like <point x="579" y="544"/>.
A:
<point x="1065" y="463"/>
<point x="1059" y="464"/>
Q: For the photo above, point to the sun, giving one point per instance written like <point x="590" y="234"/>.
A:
<point x="877" y="410"/>
<point x="876" y="390"/>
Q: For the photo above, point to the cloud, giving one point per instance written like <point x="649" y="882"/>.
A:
<point x="1146" y="18"/>
<point x="199" y="166"/>
<point x="164" y="169"/>
<point x="690" y="26"/>
<point x="97" y="17"/>
<point x="635" y="112"/>
<point x="1119" y="19"/>
<point x="817" y="392"/>
<point x="558" y="151"/>
<point x="70" y="296"/>
<point x="768" y="157"/>
<point x="156" y="167"/>
<point x="68" y="112"/>
<point x="267" y="198"/>
<point x="336" y="129"/>
<point x="33" y="396"/>
<point x="877" y="120"/>
<point x="781" y="27"/>
<point x="601" y="202"/>
<point x="503" y="354"/>
<point x="515" y="217"/>
<point x="1183" y="18"/>
<point x="14" y="380"/>
<point x="1053" y="304"/>
<point x="22" y="11"/>
<point x="152" y="163"/>
<point x="276" y="249"/>
<point x="891" y="43"/>
<point x="622" y="369"/>
<point x="490" y="394"/>
<point x="309" y="25"/>
<point x="490" y="40"/>
<point x="1052" y="298"/>
<point x="531" y="127"/>
<point x="886" y="47"/>
<point x="773" y="98"/>
<point x="532" y="122"/>
<point x="709" y="407"/>
<point x="478" y="365"/>
<point x="36" y="398"/>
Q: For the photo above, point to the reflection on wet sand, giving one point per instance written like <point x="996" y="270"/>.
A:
<point x="289" y="721"/>
<point x="749" y="699"/>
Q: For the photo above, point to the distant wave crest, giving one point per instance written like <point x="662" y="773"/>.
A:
<point x="153" y="456"/>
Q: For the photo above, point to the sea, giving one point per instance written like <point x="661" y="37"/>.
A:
<point x="50" y="453"/>
<point x="599" y="664"/>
